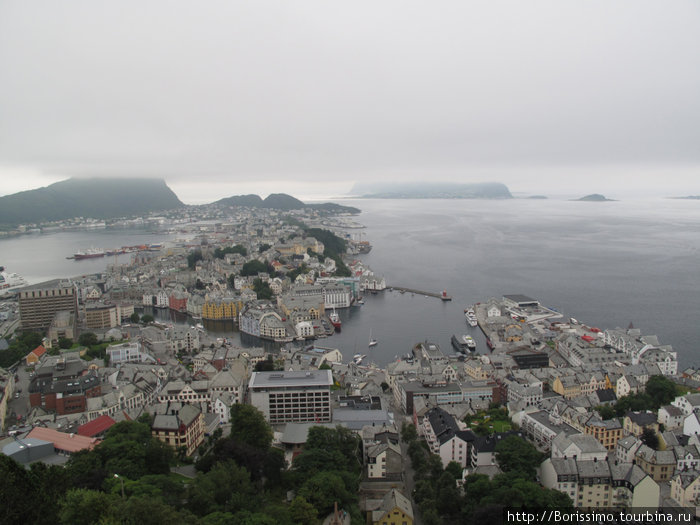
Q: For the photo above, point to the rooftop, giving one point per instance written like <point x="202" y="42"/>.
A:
<point x="291" y="379"/>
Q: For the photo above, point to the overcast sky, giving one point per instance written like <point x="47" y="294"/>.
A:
<point x="308" y="97"/>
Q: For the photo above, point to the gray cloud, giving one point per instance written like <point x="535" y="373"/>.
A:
<point x="312" y="91"/>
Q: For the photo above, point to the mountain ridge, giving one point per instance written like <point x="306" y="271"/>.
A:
<point x="98" y="198"/>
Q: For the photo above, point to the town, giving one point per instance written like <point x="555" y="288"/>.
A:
<point x="600" y="417"/>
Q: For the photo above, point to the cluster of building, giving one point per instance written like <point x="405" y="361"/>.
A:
<point x="550" y="373"/>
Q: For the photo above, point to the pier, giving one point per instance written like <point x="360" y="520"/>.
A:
<point x="438" y="295"/>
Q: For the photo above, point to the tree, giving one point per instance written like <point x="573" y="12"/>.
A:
<point x="303" y="512"/>
<point x="262" y="289"/>
<point x="193" y="257"/>
<point x="84" y="507"/>
<point x="323" y="490"/>
<point x="88" y="339"/>
<point x="515" y="454"/>
<point x="253" y="267"/>
<point x="134" y="318"/>
<point x="263" y="247"/>
<point x="454" y="469"/>
<point x="64" y="343"/>
<point x="661" y="390"/>
<point x="605" y="411"/>
<point x="650" y="439"/>
<point x="408" y="432"/>
<point x="225" y="488"/>
<point x="147" y="319"/>
<point x="248" y="426"/>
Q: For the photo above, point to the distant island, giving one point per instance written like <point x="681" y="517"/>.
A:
<point x="594" y="197"/>
<point x="689" y="197"/>
<point x="537" y="197"/>
<point x="282" y="201"/>
<point x="439" y="190"/>
<point x="97" y="198"/>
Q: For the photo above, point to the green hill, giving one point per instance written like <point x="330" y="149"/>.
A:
<point x="96" y="198"/>
<point x="282" y="201"/>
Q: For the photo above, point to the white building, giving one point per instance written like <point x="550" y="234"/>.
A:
<point x="292" y="396"/>
<point x="128" y="353"/>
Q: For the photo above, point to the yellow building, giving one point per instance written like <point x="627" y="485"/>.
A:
<point x="607" y="432"/>
<point x="475" y="369"/>
<point x="567" y="386"/>
<point x="395" y="509"/>
<point x="226" y="308"/>
<point x="685" y="488"/>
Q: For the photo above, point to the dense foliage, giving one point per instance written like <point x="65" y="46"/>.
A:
<point x="19" y="347"/>
<point x="255" y="267"/>
<point x="440" y="501"/>
<point x="220" y="253"/>
<point x="241" y="480"/>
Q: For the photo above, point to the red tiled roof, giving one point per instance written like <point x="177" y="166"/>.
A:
<point x="63" y="441"/>
<point x="39" y="351"/>
<point x="96" y="426"/>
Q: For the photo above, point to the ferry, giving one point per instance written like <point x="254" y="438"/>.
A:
<point x="9" y="282"/>
<point x="464" y="343"/>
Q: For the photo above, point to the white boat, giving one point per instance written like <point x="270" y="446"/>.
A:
<point x="358" y="358"/>
<point x="471" y="316"/>
<point x="9" y="282"/>
<point x="372" y="342"/>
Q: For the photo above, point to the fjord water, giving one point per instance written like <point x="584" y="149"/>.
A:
<point x="604" y="263"/>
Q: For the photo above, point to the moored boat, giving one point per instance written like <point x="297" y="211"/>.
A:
<point x="464" y="343"/>
<point x="10" y="281"/>
<point x="471" y="317"/>
<point x="334" y="318"/>
<point x="90" y="253"/>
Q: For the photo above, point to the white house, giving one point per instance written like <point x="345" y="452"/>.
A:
<point x="687" y="403"/>
<point x="671" y="417"/>
<point x="691" y="424"/>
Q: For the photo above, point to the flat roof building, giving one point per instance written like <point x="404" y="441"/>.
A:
<point x="39" y="304"/>
<point x="293" y="396"/>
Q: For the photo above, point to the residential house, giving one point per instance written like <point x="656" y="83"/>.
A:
<point x="659" y="464"/>
<point x="685" y="488"/>
<point x="671" y="417"/>
<point x="395" y="509"/>
<point x="178" y="425"/>
<point x="636" y="422"/>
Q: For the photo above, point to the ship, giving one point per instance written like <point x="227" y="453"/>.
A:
<point x="90" y="253"/>
<point x="334" y="318"/>
<point x="363" y="247"/>
<point x="9" y="282"/>
<point x="464" y="343"/>
<point x="471" y="316"/>
<point x="357" y="358"/>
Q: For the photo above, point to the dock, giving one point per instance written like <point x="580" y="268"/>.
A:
<point x="439" y="295"/>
